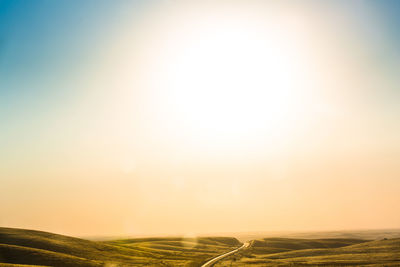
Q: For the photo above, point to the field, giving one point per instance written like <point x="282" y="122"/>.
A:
<point x="29" y="247"/>
<point x="20" y="247"/>
<point x="317" y="252"/>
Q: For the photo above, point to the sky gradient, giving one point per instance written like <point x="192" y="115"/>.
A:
<point x="189" y="117"/>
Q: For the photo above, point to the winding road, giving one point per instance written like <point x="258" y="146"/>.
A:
<point x="214" y="260"/>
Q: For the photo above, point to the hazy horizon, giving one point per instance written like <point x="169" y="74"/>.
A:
<point x="193" y="117"/>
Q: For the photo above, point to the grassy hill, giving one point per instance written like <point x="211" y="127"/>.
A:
<point x="275" y="245"/>
<point x="18" y="246"/>
<point x="317" y="252"/>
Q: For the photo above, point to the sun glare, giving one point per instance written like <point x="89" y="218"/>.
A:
<point x="228" y="78"/>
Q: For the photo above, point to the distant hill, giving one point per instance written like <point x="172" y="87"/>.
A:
<point x="19" y="246"/>
<point x="376" y="234"/>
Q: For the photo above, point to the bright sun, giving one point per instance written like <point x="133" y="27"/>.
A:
<point x="223" y="78"/>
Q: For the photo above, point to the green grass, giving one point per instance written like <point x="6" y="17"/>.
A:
<point x="18" y="246"/>
<point x="317" y="252"/>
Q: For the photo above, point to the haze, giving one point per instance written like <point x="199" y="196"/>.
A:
<point x="196" y="117"/>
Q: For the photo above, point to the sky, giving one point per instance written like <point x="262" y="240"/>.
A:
<point x="195" y="117"/>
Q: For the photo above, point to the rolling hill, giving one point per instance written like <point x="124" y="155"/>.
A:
<point x="19" y="246"/>
<point x="317" y="252"/>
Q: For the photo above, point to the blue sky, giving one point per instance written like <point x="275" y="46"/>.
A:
<point x="46" y="41"/>
<point x="42" y="41"/>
